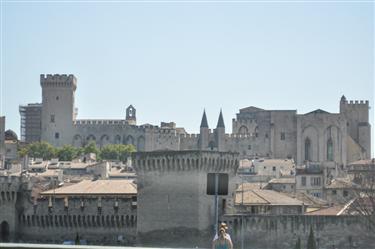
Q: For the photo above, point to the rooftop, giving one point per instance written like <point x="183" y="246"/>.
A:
<point x="363" y="162"/>
<point x="308" y="199"/>
<point x="265" y="197"/>
<point x="283" y="180"/>
<point x="98" y="187"/>
<point x="335" y="210"/>
<point x="341" y="183"/>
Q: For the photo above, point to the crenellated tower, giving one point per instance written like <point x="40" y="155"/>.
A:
<point x="12" y="189"/>
<point x="58" y="108"/>
<point x="358" y="126"/>
<point x="172" y="197"/>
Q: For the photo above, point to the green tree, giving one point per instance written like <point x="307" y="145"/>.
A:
<point x="311" y="240"/>
<point x="39" y="150"/>
<point x="125" y="151"/>
<point x="67" y="153"/>
<point x="23" y="151"/>
<point x="91" y="148"/>
<point x="116" y="152"/>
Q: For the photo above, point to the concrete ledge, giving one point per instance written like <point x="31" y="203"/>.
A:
<point x="53" y="246"/>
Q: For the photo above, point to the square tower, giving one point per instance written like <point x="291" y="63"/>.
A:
<point x="358" y="126"/>
<point x="57" y="108"/>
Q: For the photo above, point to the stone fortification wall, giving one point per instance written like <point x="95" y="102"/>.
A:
<point x="11" y="188"/>
<point x="172" y="193"/>
<point x="273" y="133"/>
<point x="283" y="134"/>
<point x="263" y="232"/>
<point x="104" y="132"/>
<point x="189" y="141"/>
<point x="247" y="145"/>
<point x="162" y="139"/>
<point x="56" y="220"/>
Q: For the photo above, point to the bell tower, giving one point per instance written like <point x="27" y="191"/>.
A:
<point x="131" y="118"/>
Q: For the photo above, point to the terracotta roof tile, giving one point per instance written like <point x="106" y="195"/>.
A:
<point x="98" y="187"/>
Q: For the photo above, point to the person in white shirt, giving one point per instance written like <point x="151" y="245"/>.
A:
<point x="222" y="242"/>
<point x="227" y="236"/>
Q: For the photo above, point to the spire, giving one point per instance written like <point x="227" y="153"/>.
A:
<point x="204" y="123"/>
<point x="343" y="99"/>
<point x="220" y="122"/>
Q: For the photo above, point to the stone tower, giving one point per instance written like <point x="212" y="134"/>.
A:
<point x="220" y="133"/>
<point x="358" y="126"/>
<point x="11" y="188"/>
<point x="131" y="117"/>
<point x="57" y="108"/>
<point x="204" y="134"/>
<point x="173" y="207"/>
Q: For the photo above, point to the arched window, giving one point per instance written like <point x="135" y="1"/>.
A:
<point x="329" y="150"/>
<point x="117" y="139"/>
<point x="211" y="145"/>
<point x="104" y="140"/>
<point x="243" y="130"/>
<point x="307" y="149"/>
<point x="141" y="143"/>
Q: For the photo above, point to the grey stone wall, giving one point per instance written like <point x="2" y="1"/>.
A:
<point x="282" y="231"/>
<point x="9" y="203"/>
<point x="318" y="128"/>
<point x="44" y="222"/>
<point x="172" y="195"/>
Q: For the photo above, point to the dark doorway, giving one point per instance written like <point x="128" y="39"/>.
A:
<point x="4" y="232"/>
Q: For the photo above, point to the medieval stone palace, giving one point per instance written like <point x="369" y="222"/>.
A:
<point x="315" y="136"/>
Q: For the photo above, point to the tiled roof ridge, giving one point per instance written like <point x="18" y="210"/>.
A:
<point x="261" y="196"/>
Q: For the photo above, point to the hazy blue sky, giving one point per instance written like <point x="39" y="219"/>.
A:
<point x="171" y="60"/>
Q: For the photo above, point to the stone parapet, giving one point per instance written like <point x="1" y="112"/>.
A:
<point x="164" y="161"/>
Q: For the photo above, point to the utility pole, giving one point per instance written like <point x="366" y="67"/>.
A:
<point x="216" y="202"/>
<point x="242" y="227"/>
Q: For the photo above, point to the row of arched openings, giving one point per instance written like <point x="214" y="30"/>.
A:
<point x="8" y="195"/>
<point x="139" y="143"/>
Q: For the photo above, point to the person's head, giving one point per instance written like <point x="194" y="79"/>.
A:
<point x="221" y="232"/>
<point x="223" y="225"/>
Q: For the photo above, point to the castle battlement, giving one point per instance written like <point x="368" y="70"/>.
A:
<point x="165" y="161"/>
<point x="100" y="122"/>
<point x="166" y="131"/>
<point x="9" y="187"/>
<point x="355" y="102"/>
<point x="189" y="136"/>
<point x="239" y="136"/>
<point x="58" y="80"/>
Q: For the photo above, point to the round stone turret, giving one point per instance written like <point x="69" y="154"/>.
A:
<point x="172" y="195"/>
